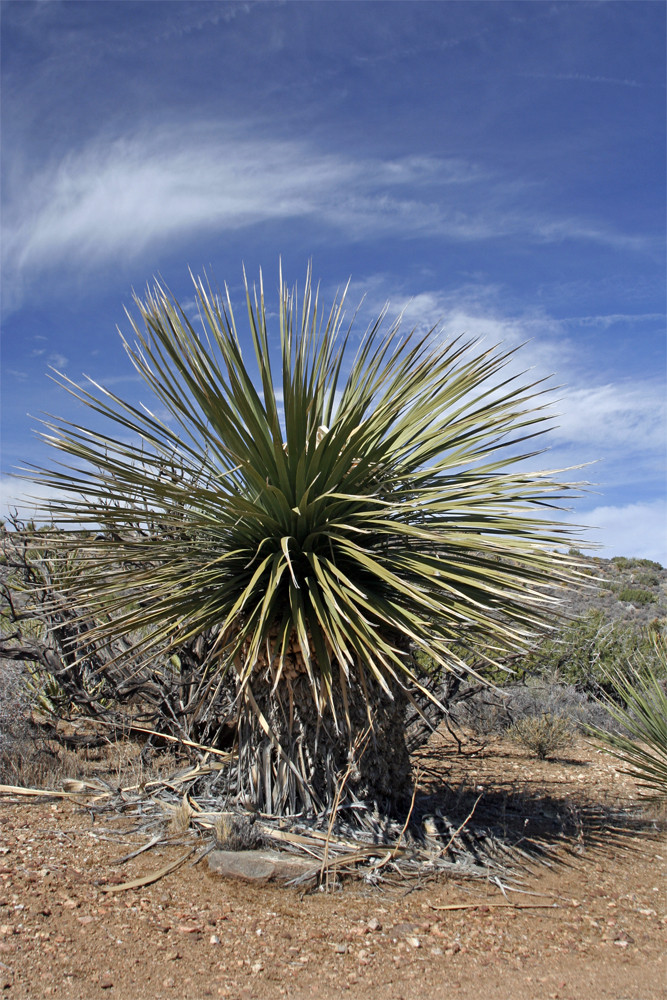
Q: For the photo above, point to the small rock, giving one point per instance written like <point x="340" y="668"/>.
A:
<point x="214" y="939"/>
<point x="436" y="951"/>
<point x="374" y="925"/>
<point x="256" y="967"/>
<point x="172" y="956"/>
<point x="340" y="949"/>
<point x="106" y="982"/>
<point x="414" y="942"/>
<point x="402" y="929"/>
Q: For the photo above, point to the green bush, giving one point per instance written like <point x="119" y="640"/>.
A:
<point x="636" y="595"/>
<point x="647" y="579"/>
<point x="621" y="562"/>
<point x="543" y="735"/>
<point x="585" y="651"/>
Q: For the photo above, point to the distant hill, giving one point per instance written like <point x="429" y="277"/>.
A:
<point x="626" y="589"/>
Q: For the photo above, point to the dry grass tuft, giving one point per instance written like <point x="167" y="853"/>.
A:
<point x="236" y="833"/>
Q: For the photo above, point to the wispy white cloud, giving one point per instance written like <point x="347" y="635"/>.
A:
<point x="115" y="198"/>
<point x="584" y="78"/>
<point x="476" y="312"/>
<point x="629" y="415"/>
<point x="605" y="320"/>
<point x="58" y="361"/>
<point x="635" y="529"/>
<point x="119" y="197"/>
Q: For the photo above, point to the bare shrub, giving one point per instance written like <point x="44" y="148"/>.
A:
<point x="27" y="756"/>
<point x="543" y="735"/>
<point x="493" y="712"/>
<point x="70" y="673"/>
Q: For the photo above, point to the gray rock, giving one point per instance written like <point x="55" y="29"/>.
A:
<point x="260" y="866"/>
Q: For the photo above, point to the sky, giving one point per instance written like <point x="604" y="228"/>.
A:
<point x="496" y="168"/>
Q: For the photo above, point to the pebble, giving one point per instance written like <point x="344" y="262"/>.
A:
<point x="374" y="925"/>
<point x="414" y="942"/>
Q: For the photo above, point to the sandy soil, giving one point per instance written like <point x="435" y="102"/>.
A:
<point x="597" y="931"/>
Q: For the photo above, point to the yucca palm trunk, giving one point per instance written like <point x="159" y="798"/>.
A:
<point x="294" y="760"/>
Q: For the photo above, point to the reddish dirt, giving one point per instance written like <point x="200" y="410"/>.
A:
<point x="193" y="935"/>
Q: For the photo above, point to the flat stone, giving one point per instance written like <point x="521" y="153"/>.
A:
<point x="260" y="866"/>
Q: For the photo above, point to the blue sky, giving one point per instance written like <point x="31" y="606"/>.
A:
<point x="495" y="167"/>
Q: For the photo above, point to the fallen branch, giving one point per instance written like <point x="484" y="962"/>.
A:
<point x="137" y="883"/>
<point x="513" y="906"/>
<point x="458" y="830"/>
<point x="131" y="727"/>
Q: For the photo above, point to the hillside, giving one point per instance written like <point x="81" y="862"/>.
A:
<point x="627" y="589"/>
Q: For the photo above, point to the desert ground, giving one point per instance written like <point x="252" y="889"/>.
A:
<point x="583" y="919"/>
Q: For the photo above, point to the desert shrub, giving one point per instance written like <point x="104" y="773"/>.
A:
<point x="484" y="712"/>
<point x="622" y="562"/>
<point x="64" y="673"/>
<point x="647" y="578"/>
<point x="636" y="595"/>
<point x="650" y="564"/>
<point x="543" y="735"/>
<point x="489" y="713"/>
<point x="27" y="756"/>
<point x="585" y="651"/>
<point x="14" y="729"/>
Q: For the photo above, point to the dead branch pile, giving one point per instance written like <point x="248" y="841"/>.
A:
<point x="379" y="851"/>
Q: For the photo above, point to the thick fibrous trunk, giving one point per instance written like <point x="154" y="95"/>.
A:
<point x="304" y="763"/>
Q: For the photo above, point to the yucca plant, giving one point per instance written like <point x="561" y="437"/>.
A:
<point x="638" y="705"/>
<point x="365" y="501"/>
